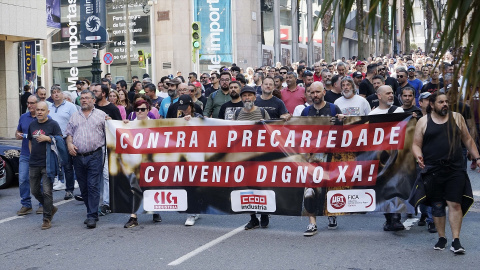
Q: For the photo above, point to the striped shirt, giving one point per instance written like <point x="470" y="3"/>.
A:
<point x="255" y="115"/>
<point x="88" y="133"/>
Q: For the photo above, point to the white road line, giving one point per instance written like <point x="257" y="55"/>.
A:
<point x="207" y="246"/>
<point x="409" y="223"/>
<point x="17" y="217"/>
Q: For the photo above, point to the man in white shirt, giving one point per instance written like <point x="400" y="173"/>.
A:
<point x="349" y="103"/>
<point x="385" y="101"/>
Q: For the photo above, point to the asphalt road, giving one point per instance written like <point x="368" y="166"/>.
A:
<point x="219" y="242"/>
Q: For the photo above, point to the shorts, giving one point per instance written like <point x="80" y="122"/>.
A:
<point x="445" y="185"/>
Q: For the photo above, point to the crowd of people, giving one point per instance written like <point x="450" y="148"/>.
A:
<point x="415" y="84"/>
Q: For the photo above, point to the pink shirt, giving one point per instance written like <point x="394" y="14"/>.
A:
<point x="293" y="98"/>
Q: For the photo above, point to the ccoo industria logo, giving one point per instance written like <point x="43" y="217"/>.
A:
<point x="253" y="200"/>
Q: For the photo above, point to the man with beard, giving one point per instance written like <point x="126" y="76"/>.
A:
<point x="336" y="91"/>
<point x="85" y="139"/>
<point x="293" y="94"/>
<point x="437" y="148"/>
<point x="219" y="97"/>
<point x="434" y="85"/>
<point x="327" y="80"/>
<point x="250" y="112"/>
<point x="366" y="86"/>
<point x="101" y="94"/>
<point x="378" y="81"/>
<point x="408" y="99"/>
<point x="172" y="97"/>
<point x="357" y="79"/>
<point x="278" y="82"/>
<point x="349" y="103"/>
<point x="228" y="109"/>
<point x="163" y="87"/>
<point x="413" y="81"/>
<point x="382" y="71"/>
<point x="307" y="78"/>
<point x="320" y="107"/>
<point x="274" y="106"/>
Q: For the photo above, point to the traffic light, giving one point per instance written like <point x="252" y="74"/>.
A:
<point x="196" y="36"/>
<point x="141" y="58"/>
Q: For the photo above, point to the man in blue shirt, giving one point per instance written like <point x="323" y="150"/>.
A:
<point x="61" y="111"/>
<point x="416" y="83"/>
<point x="23" y="175"/>
<point x="172" y="97"/>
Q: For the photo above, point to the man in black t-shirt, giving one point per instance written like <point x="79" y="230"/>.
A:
<point x="227" y="111"/>
<point x="366" y="87"/>
<point x="24" y="98"/>
<point x="408" y="99"/>
<point x="39" y="133"/>
<point x="336" y="92"/>
<point x="101" y="92"/>
<point x="274" y="106"/>
<point x="434" y="85"/>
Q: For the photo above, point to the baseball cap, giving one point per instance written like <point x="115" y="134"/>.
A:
<point x="360" y="63"/>
<point x="174" y="81"/>
<point x="357" y="74"/>
<point x="79" y="82"/>
<point x="424" y="95"/>
<point x="411" y="67"/>
<point x="184" y="101"/>
<point x="248" y="89"/>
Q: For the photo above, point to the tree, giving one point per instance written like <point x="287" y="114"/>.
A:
<point x="360" y="23"/>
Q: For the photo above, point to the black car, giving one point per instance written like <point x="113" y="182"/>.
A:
<point x="9" y="161"/>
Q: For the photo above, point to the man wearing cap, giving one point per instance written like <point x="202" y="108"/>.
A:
<point x="228" y="109"/>
<point x="359" y="66"/>
<point x="357" y="79"/>
<point x="172" y="97"/>
<point x="413" y="81"/>
<point x="250" y="112"/>
<point x="174" y="111"/>
<point x="219" y="97"/>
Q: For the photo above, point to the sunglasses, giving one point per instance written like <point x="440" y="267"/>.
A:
<point x="400" y="76"/>
<point x="283" y="72"/>
<point x="411" y="70"/>
<point x="140" y="109"/>
<point x="381" y="69"/>
<point x="203" y="78"/>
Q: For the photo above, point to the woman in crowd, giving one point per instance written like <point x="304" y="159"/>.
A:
<point x="114" y="98"/>
<point x="123" y="100"/>
<point x="150" y="113"/>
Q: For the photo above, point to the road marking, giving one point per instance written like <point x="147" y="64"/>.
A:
<point x="17" y="217"/>
<point x="409" y="223"/>
<point x="207" y="246"/>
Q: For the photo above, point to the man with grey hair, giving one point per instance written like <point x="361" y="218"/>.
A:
<point x="293" y="95"/>
<point x="341" y="69"/>
<point x="61" y="111"/>
<point x="349" y="103"/>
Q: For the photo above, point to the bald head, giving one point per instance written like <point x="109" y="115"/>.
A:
<point x="42" y="111"/>
<point x="385" y="96"/>
<point x="317" y="86"/>
<point x="384" y="88"/>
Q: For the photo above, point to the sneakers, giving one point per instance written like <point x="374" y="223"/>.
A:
<point x="68" y="196"/>
<point x="332" y="223"/>
<point x="264" y="220"/>
<point x="440" y="245"/>
<point x="39" y="210"/>
<point x="104" y="210"/>
<point x="47" y="224"/>
<point x="393" y="223"/>
<point x="191" y="220"/>
<point x="253" y="223"/>
<point x="76" y="184"/>
<point x="456" y="247"/>
<point x="422" y="221"/>
<point x="431" y="227"/>
<point x="311" y="230"/>
<point x="78" y="198"/>
<point x="132" y="222"/>
<point x="24" y="211"/>
<point x="157" y="218"/>
<point x="58" y="185"/>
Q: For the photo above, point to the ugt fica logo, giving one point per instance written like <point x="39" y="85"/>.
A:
<point x="338" y="201"/>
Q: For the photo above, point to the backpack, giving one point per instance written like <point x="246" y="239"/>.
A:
<point x="333" y="111"/>
<point x="237" y="112"/>
<point x="392" y="109"/>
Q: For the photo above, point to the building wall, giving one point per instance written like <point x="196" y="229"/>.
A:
<point x="20" y="20"/>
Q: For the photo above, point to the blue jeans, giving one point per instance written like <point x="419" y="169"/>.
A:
<point x="426" y="210"/>
<point x="24" y="182"/>
<point x="39" y="180"/>
<point x="88" y="170"/>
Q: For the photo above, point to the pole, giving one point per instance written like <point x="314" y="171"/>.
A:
<point x="310" y="32"/>
<point x="276" y="31"/>
<point x="294" y="14"/>
<point x="127" y="44"/>
<point x="96" y="70"/>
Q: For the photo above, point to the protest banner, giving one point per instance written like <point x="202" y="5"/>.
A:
<point x="359" y="164"/>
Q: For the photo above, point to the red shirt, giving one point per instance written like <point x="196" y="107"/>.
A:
<point x="293" y="98"/>
<point x="317" y="78"/>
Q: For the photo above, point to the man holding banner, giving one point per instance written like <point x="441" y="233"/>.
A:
<point x="437" y="149"/>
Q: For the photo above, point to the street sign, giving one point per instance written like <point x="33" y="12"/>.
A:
<point x="108" y="58"/>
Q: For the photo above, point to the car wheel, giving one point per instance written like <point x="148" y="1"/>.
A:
<point x="10" y="176"/>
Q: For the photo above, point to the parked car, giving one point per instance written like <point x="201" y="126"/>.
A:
<point x="9" y="155"/>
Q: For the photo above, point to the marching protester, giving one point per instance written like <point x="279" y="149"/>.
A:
<point x="43" y="132"/>
<point x="443" y="181"/>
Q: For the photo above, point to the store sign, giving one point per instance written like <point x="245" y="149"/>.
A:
<point x="216" y="28"/>
<point x="93" y="21"/>
<point x="29" y="64"/>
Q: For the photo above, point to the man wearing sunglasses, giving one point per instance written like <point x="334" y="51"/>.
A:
<point x="402" y="79"/>
<point x="416" y="83"/>
<point x="382" y="71"/>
